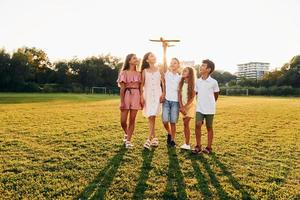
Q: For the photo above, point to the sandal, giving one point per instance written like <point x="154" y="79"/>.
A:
<point x="207" y="150"/>
<point x="197" y="150"/>
<point x="154" y="142"/>
<point x="125" y="138"/>
<point x="128" y="144"/>
<point x="147" y="144"/>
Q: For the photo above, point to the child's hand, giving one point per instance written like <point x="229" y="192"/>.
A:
<point x="142" y="101"/>
<point x="122" y="106"/>
<point x="162" y="98"/>
<point x="182" y="110"/>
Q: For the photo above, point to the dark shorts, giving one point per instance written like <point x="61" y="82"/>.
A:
<point x="209" y="118"/>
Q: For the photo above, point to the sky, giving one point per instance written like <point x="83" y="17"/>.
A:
<point x="228" y="32"/>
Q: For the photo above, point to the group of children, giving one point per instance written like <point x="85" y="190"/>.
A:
<point x="166" y="90"/>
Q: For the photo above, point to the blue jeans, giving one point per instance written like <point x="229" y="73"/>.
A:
<point x="170" y="111"/>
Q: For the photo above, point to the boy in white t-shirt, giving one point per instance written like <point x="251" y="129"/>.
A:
<point x="207" y="90"/>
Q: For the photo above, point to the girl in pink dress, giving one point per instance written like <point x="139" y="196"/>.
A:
<point x="129" y="81"/>
<point x="153" y="96"/>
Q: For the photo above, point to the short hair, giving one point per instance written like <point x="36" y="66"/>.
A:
<point x="210" y="64"/>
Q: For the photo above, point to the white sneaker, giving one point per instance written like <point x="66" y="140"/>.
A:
<point x="186" y="147"/>
<point x="128" y="145"/>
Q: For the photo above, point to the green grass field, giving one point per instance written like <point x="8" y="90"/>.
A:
<point x="68" y="146"/>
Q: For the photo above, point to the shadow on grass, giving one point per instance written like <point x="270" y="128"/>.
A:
<point x="142" y="186"/>
<point x="175" y="183"/>
<point x="97" y="188"/>
<point x="204" y="183"/>
<point x="212" y="176"/>
<point x="231" y="178"/>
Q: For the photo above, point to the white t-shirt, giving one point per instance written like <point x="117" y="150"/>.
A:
<point x="172" y="83"/>
<point x="206" y="103"/>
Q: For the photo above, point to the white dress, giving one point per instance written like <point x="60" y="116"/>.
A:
<point x="152" y="93"/>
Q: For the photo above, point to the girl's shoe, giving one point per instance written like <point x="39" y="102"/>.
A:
<point x="128" y="145"/>
<point x="147" y="144"/>
<point x="154" y="142"/>
<point x="186" y="147"/>
<point x="125" y="138"/>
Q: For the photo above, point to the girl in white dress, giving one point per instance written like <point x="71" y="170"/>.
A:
<point x="153" y="96"/>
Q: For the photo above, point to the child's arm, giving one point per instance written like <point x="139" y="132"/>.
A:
<point x="191" y="100"/>
<point x="122" y="93"/>
<point x="165" y="66"/>
<point x="181" y="107"/>
<point x="216" y="91"/>
<point x="180" y="97"/>
<point x="216" y="94"/>
<point x="163" y="95"/>
<point x="142" y="88"/>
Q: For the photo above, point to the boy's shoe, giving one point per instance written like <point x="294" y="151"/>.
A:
<point x="197" y="150"/>
<point x="172" y="143"/>
<point x="207" y="150"/>
<point x="169" y="139"/>
<point x="186" y="147"/>
<point x="128" y="145"/>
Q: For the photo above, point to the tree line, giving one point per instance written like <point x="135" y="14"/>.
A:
<point x="30" y="70"/>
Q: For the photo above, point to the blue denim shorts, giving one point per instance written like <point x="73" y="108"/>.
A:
<point x="170" y="111"/>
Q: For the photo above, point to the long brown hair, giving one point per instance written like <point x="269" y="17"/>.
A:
<point x="126" y="64"/>
<point x="191" y="82"/>
<point x="145" y="64"/>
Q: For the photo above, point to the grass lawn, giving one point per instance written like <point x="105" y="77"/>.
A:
<point x="68" y="146"/>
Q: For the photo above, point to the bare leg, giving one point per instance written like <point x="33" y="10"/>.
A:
<point x="173" y="131"/>
<point x="151" y="121"/>
<point x="167" y="127"/>
<point x="130" y="129"/>
<point x="187" y="132"/>
<point x="198" y="132"/>
<point x="124" y="115"/>
<point x="210" y="134"/>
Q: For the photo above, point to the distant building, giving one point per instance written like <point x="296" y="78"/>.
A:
<point x="252" y="70"/>
<point x="190" y="63"/>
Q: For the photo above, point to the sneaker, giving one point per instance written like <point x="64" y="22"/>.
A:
<point x="128" y="145"/>
<point x="172" y="143"/>
<point x="186" y="147"/>
<point x="169" y="139"/>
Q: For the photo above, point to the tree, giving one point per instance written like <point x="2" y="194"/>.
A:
<point x="223" y="77"/>
<point x="5" y="76"/>
<point x="287" y="75"/>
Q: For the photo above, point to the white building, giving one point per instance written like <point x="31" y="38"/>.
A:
<point x="252" y="70"/>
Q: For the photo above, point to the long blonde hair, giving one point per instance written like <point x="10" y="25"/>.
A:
<point x="191" y="82"/>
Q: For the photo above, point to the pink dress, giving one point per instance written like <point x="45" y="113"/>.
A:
<point x="132" y="96"/>
<point x="152" y="93"/>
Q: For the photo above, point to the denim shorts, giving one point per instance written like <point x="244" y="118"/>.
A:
<point x="170" y="111"/>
